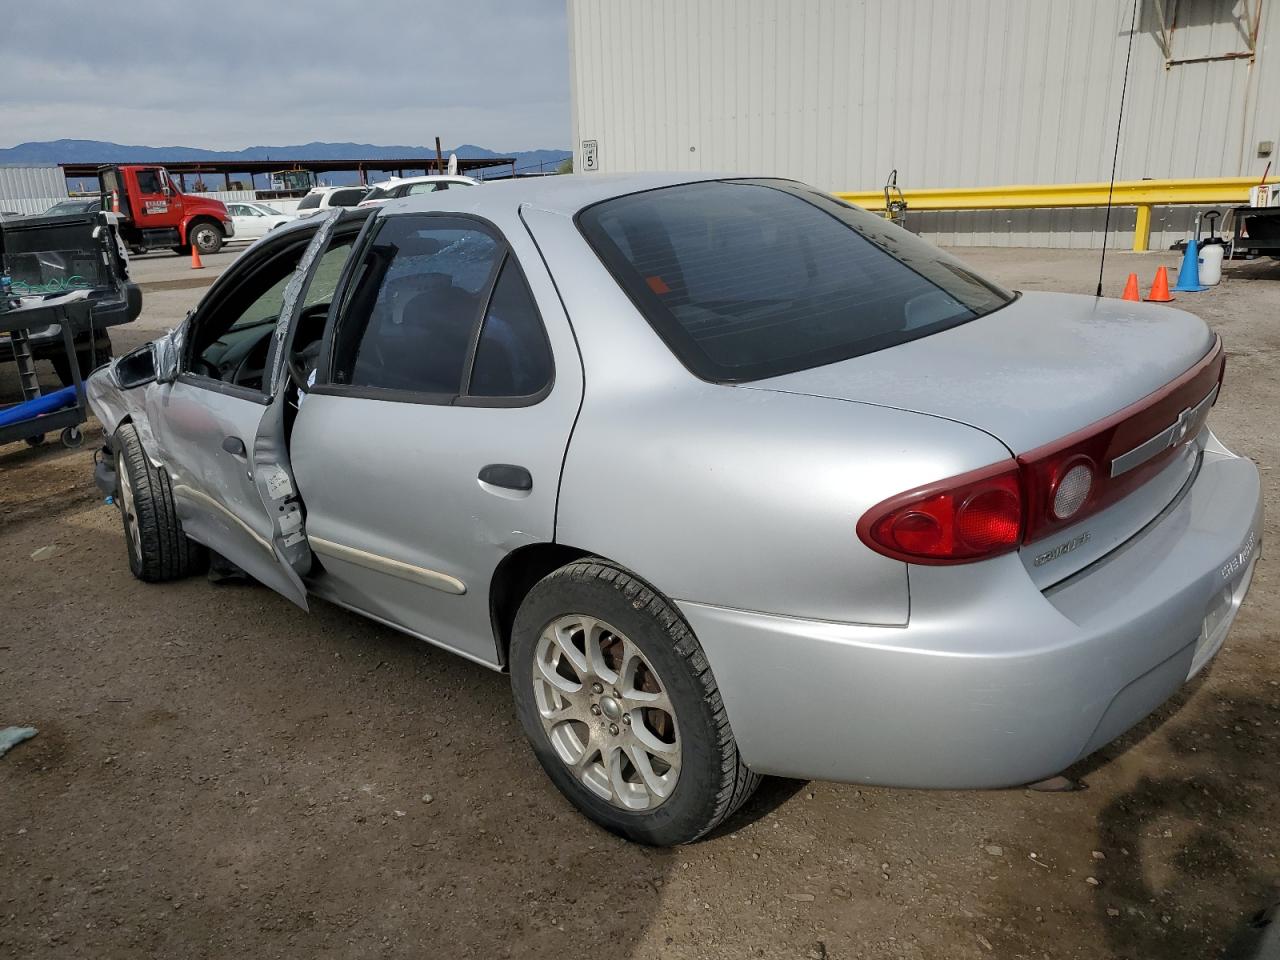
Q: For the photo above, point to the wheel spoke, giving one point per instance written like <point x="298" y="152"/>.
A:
<point x="624" y="793"/>
<point x="658" y="786"/>
<point x="568" y="708"/>
<point x="591" y="631"/>
<point x="649" y="741"/>
<point x="590" y="751"/>
<point x="643" y="699"/>
<point x="563" y="640"/>
<point x="561" y="683"/>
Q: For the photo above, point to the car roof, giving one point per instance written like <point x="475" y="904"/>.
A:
<point x="566" y="194"/>
<point x="428" y="178"/>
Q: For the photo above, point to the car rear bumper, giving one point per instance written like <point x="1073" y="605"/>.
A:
<point x="992" y="682"/>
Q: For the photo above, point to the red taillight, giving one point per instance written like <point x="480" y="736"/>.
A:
<point x="996" y="509"/>
<point x="969" y="517"/>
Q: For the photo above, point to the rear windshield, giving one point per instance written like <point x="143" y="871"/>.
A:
<point x="347" y="198"/>
<point x="309" y="201"/>
<point x="746" y="279"/>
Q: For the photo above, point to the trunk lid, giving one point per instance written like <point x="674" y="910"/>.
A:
<point x="1046" y="367"/>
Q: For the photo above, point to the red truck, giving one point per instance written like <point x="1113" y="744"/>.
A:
<point x="155" y="213"/>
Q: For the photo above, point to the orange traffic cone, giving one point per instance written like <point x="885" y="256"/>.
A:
<point x="1160" y="287"/>
<point x="197" y="265"/>
<point x="1130" y="288"/>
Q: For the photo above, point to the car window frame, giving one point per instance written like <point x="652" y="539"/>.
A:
<point x="224" y="289"/>
<point x="324" y="384"/>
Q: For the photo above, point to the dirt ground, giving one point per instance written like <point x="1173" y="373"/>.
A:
<point x="220" y="775"/>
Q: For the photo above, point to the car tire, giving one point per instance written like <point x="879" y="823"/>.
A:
<point x="157" y="547"/>
<point x="205" y="237"/>
<point x="85" y="360"/>
<point x="619" y="616"/>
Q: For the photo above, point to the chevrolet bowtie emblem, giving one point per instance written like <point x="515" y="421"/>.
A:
<point x="1187" y="425"/>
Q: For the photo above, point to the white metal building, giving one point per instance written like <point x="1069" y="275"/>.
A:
<point x="951" y="93"/>
<point x="25" y="189"/>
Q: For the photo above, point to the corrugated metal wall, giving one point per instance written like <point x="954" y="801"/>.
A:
<point x="31" y="189"/>
<point x="959" y="93"/>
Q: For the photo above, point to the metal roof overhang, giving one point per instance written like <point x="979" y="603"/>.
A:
<point x="271" y="166"/>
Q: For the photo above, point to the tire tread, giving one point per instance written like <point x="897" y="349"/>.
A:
<point x="165" y="552"/>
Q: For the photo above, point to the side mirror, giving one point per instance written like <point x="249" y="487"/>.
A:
<point x="136" y="368"/>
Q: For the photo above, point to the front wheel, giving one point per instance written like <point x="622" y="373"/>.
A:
<point x="205" y="237"/>
<point x="619" y="703"/>
<point x="158" y="549"/>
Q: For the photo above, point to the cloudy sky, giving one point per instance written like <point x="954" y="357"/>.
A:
<point x="237" y="73"/>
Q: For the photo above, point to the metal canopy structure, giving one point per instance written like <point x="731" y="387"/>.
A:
<point x="227" y="168"/>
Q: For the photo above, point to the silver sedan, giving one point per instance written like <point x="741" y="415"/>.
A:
<point x="733" y="478"/>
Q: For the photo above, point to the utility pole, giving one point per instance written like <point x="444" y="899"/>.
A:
<point x="439" y="157"/>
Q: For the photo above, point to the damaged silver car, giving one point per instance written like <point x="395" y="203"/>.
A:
<point x="732" y="477"/>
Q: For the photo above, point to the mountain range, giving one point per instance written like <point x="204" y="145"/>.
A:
<point x="103" y="151"/>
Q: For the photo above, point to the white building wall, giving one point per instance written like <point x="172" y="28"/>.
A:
<point x="960" y="93"/>
<point x="31" y="189"/>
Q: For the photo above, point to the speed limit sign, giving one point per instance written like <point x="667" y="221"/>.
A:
<point x="589" y="159"/>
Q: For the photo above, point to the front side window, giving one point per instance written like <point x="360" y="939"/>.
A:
<point x="439" y="307"/>
<point x="309" y="202"/>
<point x="416" y="188"/>
<point x="409" y="323"/>
<point x="148" y="181"/>
<point x="232" y="335"/>
<point x="748" y="279"/>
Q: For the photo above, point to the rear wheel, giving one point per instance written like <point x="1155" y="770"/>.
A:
<point x="158" y="549"/>
<point x="619" y="703"/>
<point x="205" y="237"/>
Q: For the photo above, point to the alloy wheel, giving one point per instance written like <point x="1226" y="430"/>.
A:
<point x="129" y="508"/>
<point x="606" y="712"/>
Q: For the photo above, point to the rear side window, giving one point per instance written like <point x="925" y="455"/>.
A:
<point x="513" y="358"/>
<point x="414" y="188"/>
<point x="751" y="279"/>
<point x="309" y="202"/>
<point x="347" y="198"/>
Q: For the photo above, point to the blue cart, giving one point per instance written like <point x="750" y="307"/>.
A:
<point x="63" y="410"/>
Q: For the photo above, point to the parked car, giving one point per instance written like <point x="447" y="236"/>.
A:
<point x="322" y="198"/>
<point x="254" y="220"/>
<point x="75" y="205"/>
<point x="47" y="255"/>
<point x="395" y="188"/>
<point x="733" y="478"/>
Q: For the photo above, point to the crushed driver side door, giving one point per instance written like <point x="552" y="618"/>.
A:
<point x="222" y="437"/>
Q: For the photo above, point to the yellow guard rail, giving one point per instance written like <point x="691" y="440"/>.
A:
<point x="1142" y="194"/>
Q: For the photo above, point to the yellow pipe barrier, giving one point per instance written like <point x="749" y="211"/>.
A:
<point x="1142" y="194"/>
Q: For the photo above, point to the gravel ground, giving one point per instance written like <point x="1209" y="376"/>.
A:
<point x="220" y="775"/>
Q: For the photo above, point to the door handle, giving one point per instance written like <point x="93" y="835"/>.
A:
<point x="234" y="446"/>
<point x="507" y="475"/>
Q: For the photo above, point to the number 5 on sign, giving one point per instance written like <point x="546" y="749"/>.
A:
<point x="589" y="160"/>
